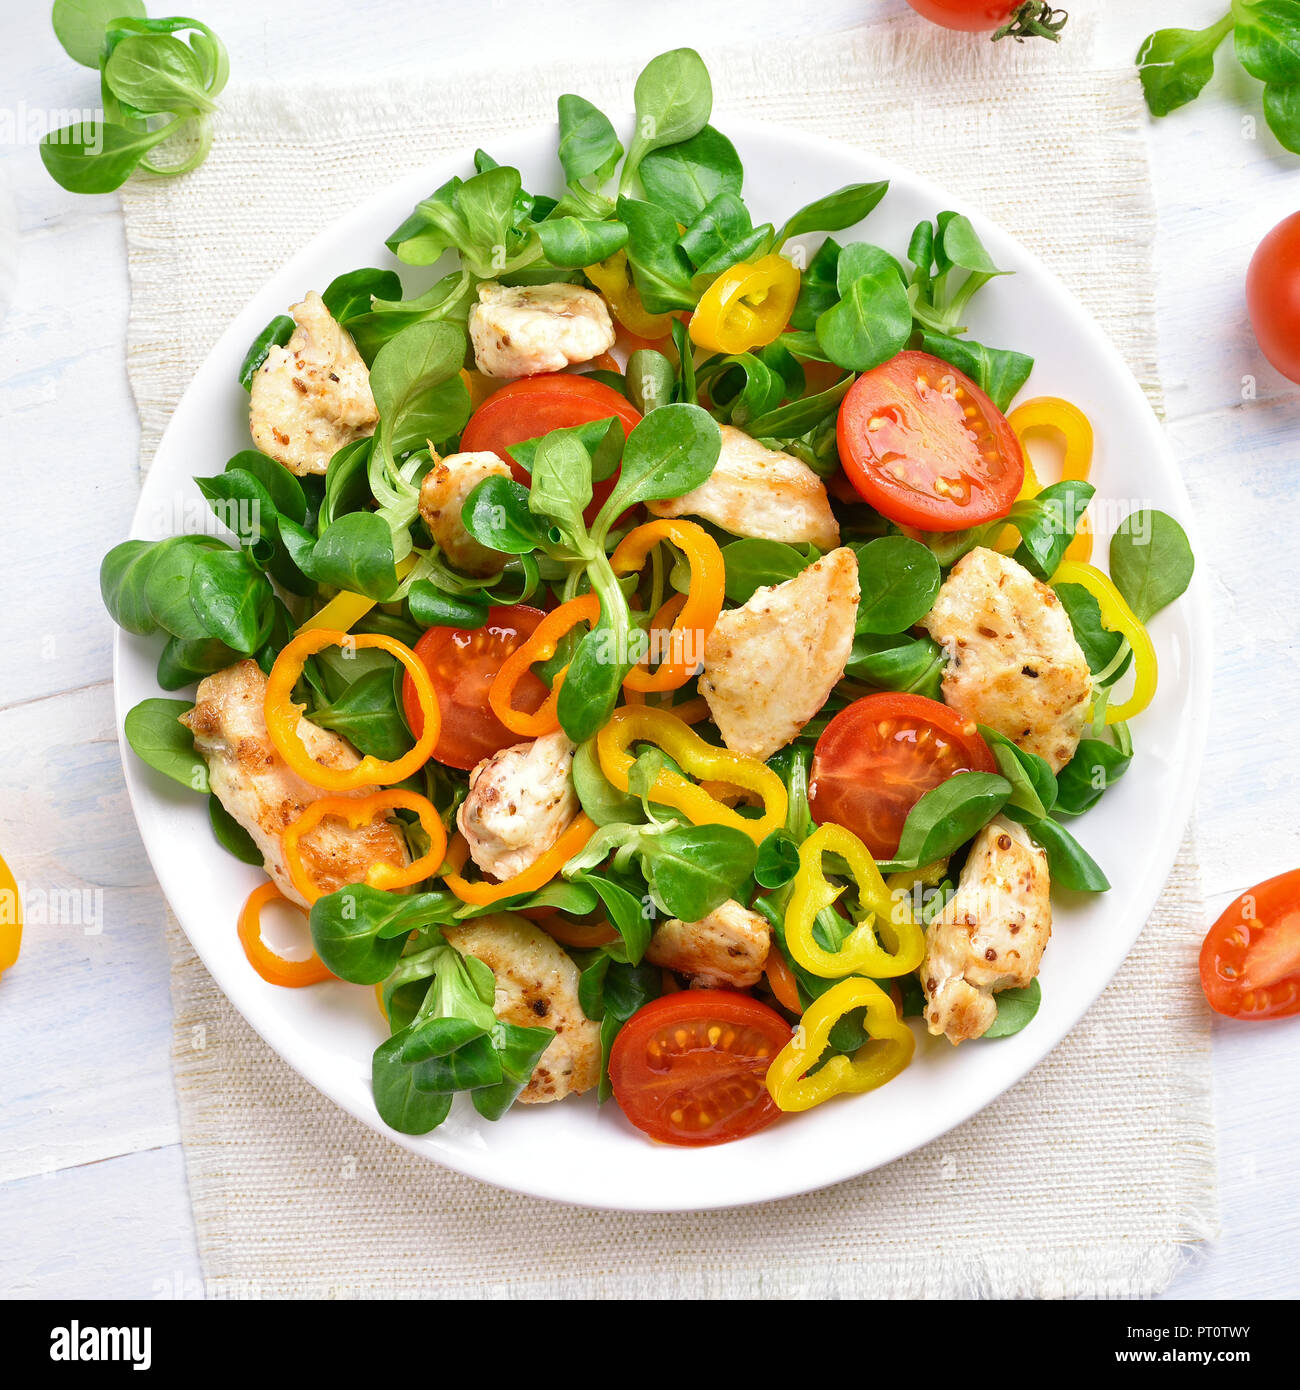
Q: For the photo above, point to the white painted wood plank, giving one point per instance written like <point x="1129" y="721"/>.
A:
<point x="117" y="1229"/>
<point x="85" y="1014"/>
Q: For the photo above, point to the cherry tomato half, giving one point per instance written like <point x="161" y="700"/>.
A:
<point x="880" y="755"/>
<point x="1273" y="296"/>
<point x="461" y="662"/>
<point x="926" y="447"/>
<point x="535" y="405"/>
<point x="689" y="1068"/>
<point x="1250" y="960"/>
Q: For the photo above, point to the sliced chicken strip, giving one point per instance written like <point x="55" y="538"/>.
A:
<point x="770" y="664"/>
<point x="1013" y="661"/>
<point x="442" y="495"/>
<point x="991" y="934"/>
<point x="521" y="800"/>
<point x="312" y="396"/>
<point x="254" y="783"/>
<point x="725" y="950"/>
<point x="756" y="491"/>
<point x="537" y="987"/>
<point x="522" y="330"/>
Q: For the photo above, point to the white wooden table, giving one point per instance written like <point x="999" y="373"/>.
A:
<point x="93" y="1198"/>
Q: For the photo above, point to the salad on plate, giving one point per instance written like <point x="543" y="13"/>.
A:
<point x="645" y="650"/>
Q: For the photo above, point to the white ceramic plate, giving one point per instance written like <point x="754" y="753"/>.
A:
<point x="576" y="1151"/>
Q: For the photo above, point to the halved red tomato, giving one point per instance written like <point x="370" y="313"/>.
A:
<point x="926" y="447"/>
<point x="689" y="1068"/>
<point x="461" y="662"/>
<point x="878" y="758"/>
<point x="535" y="406"/>
<point x="1250" y="961"/>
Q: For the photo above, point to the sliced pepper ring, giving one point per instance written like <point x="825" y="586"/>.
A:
<point x="282" y="715"/>
<point x="862" y="952"/>
<point x="1119" y="617"/>
<point x="537" y="875"/>
<point x="645" y="724"/>
<point x="698" y="612"/>
<point x="539" y="646"/>
<point x="359" y="811"/>
<point x="889" y="1050"/>
<point x="275" y="969"/>
<point x="747" y="306"/>
<point x="1051" y="414"/>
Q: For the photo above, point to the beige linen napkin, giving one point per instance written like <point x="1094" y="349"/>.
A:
<point x="1086" y="1179"/>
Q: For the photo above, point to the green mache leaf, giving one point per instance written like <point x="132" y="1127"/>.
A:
<point x="1175" y="64"/>
<point x="518" y="1052"/>
<point x="694" y="869"/>
<point x="1033" y="784"/>
<point x="356" y="552"/>
<point x="156" y="735"/>
<point x="1267" y="40"/>
<point x="186" y="660"/>
<point x="899" y="579"/>
<point x="573" y="242"/>
<point x="80" y="25"/>
<point x="685" y="178"/>
<point x="950" y="814"/>
<point x="1151" y="561"/>
<point x="674" y="98"/>
<point x="588" y="143"/>
<point x="721" y="236"/>
<point x="872" y="321"/>
<point x="1282" y="112"/>
<point x="661" y="270"/>
<point x="1016" y="1010"/>
<point x="836" y="211"/>
<point x="561" y="484"/>
<point x="157" y="73"/>
<point x="627" y="914"/>
<point x="1047" y="524"/>
<point x="403" y="1105"/>
<point x="1095" y="767"/>
<point x="778" y="860"/>
<point x="98" y="156"/>
<point x="350" y="295"/>
<point x="232" y="836"/>
<point x="417" y="386"/>
<point x="1068" y="863"/>
<point x="369" y="714"/>
<point x="651" y="379"/>
<point x="275" y="334"/>
<point x="998" y="372"/>
<point x="167" y="585"/>
<point x="751" y="564"/>
<point x="898" y="662"/>
<point x="123" y="574"/>
<point x="232" y="598"/>
<point x="1098" y="643"/>
<point x="359" y="932"/>
<point x="430" y="607"/>
<point x="497" y="515"/>
<point x="599" y="798"/>
<point x="669" y="453"/>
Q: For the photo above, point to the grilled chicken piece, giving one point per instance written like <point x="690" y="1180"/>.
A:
<point x="442" y="495"/>
<point x="755" y="491"/>
<point x="257" y="787"/>
<point x="521" y="800"/>
<point x="312" y="396"/>
<point x="537" y="987"/>
<point x="770" y="664"/>
<point x="522" y="330"/>
<point x="726" y="950"/>
<point x="1013" y="661"/>
<point x="991" y="934"/>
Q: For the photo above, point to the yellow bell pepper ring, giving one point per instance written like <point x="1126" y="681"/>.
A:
<point x="1118" y="617"/>
<point x="889" y="1050"/>
<point x="614" y="280"/>
<point x="888" y="918"/>
<point x="647" y="724"/>
<point x="283" y="716"/>
<point x="11" y="918"/>
<point x="747" y="306"/>
<point x="1051" y="414"/>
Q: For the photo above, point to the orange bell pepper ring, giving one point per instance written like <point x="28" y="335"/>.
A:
<point x="540" y="646"/>
<point x="359" y="811"/>
<point x="537" y="875"/>
<point x="283" y="716"/>
<point x="273" y="968"/>
<point x="684" y="643"/>
<point x="747" y="306"/>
